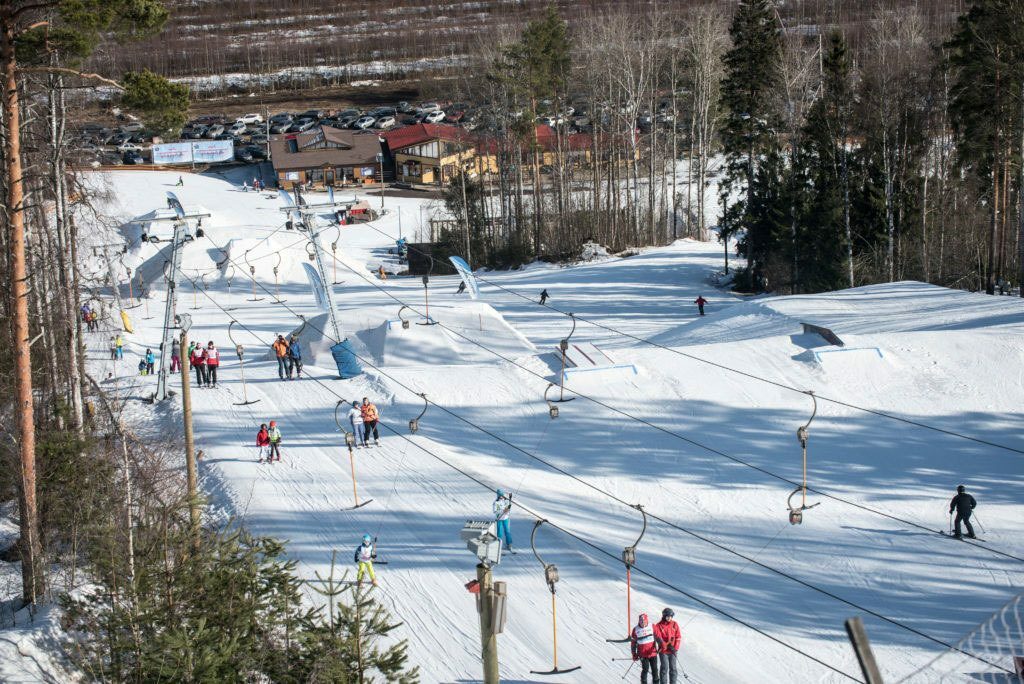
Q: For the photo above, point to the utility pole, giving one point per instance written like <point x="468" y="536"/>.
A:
<point x="862" y="647"/>
<point x="190" y="453"/>
<point x="491" y="596"/>
<point x="488" y="637"/>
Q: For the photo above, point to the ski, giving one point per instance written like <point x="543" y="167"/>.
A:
<point x="963" y="538"/>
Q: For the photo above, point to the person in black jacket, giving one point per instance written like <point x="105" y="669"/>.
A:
<point x="964" y="505"/>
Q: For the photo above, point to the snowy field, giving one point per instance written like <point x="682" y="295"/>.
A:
<point x="711" y="454"/>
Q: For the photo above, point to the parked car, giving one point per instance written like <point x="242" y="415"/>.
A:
<point x="382" y="111"/>
<point x="131" y="127"/>
<point x="386" y="122"/>
<point x="120" y="139"/>
<point x="213" y="131"/>
<point x="364" y="122"/>
<point x="405" y="107"/>
<point x="347" y="121"/>
<point x="345" y="113"/>
<point x="428" y="107"/>
<point x="128" y="146"/>
<point x="238" y="128"/>
<point x="301" y="125"/>
<point x="259" y="139"/>
<point x="131" y="157"/>
<point x="435" y="116"/>
<point x="257" y="151"/>
<point x="281" y="127"/>
<point x="251" y="118"/>
<point x="224" y="136"/>
<point x="281" y="117"/>
<point x="107" y="159"/>
<point x="313" y="114"/>
<point x="243" y="154"/>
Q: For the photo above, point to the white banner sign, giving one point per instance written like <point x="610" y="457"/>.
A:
<point x="200" y="152"/>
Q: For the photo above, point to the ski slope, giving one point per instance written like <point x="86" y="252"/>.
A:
<point x="712" y="453"/>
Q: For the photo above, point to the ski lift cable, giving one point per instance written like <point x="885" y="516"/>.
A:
<point x="669" y="523"/>
<point x="747" y="374"/>
<point x="398" y="433"/>
<point x="684" y="438"/>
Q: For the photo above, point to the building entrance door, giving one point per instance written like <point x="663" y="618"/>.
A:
<point x="328" y="177"/>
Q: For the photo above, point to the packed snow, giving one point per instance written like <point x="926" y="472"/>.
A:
<point x="696" y="444"/>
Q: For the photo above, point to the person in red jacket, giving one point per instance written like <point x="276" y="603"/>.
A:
<point x="212" y="363"/>
<point x="198" y="361"/>
<point x="668" y="632"/>
<point x="645" y="645"/>
<point x="263" y="441"/>
<point x="700" y="302"/>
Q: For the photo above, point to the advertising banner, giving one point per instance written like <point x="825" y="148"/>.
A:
<point x="173" y="153"/>
<point x="198" y="151"/>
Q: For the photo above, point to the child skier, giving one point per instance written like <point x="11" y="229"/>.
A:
<point x="263" y="442"/>
<point x="700" y="302"/>
<point x="274" y="435"/>
<point x="142" y="366"/>
<point x="355" y="419"/>
<point x="963" y="503"/>
<point x="645" y="644"/>
<point x="502" y="510"/>
<point x="365" y="554"/>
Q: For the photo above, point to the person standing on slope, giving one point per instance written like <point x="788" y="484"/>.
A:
<point x="645" y="644"/>
<point x="667" y="630"/>
<point x="274" y="435"/>
<point x="175" y="355"/>
<point x="355" y="419"/>
<point x="502" y="511"/>
<point x="198" y="361"/>
<point x="280" y="348"/>
<point x="119" y="343"/>
<point x="113" y="349"/>
<point x="294" y="358"/>
<point x="700" y="302"/>
<point x="212" y="364"/>
<point x="365" y="554"/>
<point x="964" y="505"/>
<point x="543" y="297"/>
<point x="370" y="418"/>
<point x="150" y="361"/>
<point x="263" y="442"/>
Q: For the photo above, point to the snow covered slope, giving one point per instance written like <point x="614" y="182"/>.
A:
<point x="711" y="453"/>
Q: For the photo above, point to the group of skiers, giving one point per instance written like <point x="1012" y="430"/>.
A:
<point x="147" y="363"/>
<point x="363" y="418"/>
<point x="90" y="318"/>
<point x="116" y="348"/>
<point x="268" y="442"/>
<point x="205" y="360"/>
<point x="656" y="646"/>
<point x="289" y="357"/>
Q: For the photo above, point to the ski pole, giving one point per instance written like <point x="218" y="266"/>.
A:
<point x="626" y="673"/>
<point x="977" y="520"/>
<point x="951" y="523"/>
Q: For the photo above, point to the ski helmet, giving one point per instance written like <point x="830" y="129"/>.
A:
<point x="367" y="539"/>
<point x="960" y="489"/>
<point x="501" y="492"/>
<point x="273" y="423"/>
<point x="667" y="613"/>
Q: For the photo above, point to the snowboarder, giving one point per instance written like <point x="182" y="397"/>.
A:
<point x="274" y="435"/>
<point x="113" y="349"/>
<point x="198" y="361"/>
<point x="700" y="302"/>
<point x="462" y="287"/>
<point x="502" y="510"/>
<point x="365" y="554"/>
<point x="355" y="419"/>
<point x="294" y="358"/>
<point x="964" y="505"/>
<point x="150" y="361"/>
<point x="543" y="297"/>
<point x="263" y="442"/>
<point x="668" y="631"/>
<point x="175" y="355"/>
<point x="370" y="417"/>
<point x="645" y="644"/>
<point x="119" y="343"/>
<point x="280" y="348"/>
<point x="212" y="355"/>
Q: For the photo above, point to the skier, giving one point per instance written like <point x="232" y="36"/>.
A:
<point x="181" y="182"/>
<point x="543" y="296"/>
<point x="364" y="556"/>
<point x="294" y="358"/>
<point x="274" y="435"/>
<point x="502" y="509"/>
<point x="462" y="287"/>
<point x="212" y="363"/>
<point x="355" y="419"/>
<point x="198" y="361"/>
<point x="142" y="366"/>
<point x="370" y="417"/>
<point x="119" y="343"/>
<point x="150" y="361"/>
<point x="964" y="504"/>
<point x="668" y="631"/>
<point x="380" y="272"/>
<point x="245" y="186"/>
<point x="645" y="644"/>
<point x="175" y="355"/>
<point x="263" y="442"/>
<point x="700" y="302"/>
<point x="113" y="349"/>
<point x="280" y="348"/>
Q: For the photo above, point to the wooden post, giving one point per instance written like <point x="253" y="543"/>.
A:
<point x="190" y="454"/>
<point x="862" y="647"/>
<point x="488" y="639"/>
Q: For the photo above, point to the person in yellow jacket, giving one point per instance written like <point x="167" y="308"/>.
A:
<point x="280" y="348"/>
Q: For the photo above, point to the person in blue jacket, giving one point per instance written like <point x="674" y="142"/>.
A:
<point x="294" y="358"/>
<point x="150" y="361"/>
<point x="502" y="510"/>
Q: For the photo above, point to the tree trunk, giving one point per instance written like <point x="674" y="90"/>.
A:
<point x="32" y="577"/>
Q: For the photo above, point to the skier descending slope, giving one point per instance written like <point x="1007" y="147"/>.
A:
<point x="645" y="646"/>
<point x="364" y="556"/>
<point x="964" y="505"/>
<point x="502" y="510"/>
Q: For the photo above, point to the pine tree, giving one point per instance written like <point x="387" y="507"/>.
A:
<point x="749" y="128"/>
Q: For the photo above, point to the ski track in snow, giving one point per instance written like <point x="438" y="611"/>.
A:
<point x="943" y="361"/>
